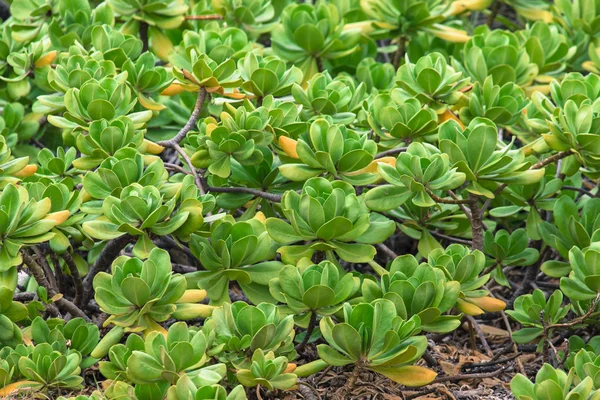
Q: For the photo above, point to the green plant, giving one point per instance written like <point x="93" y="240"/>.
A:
<point x="318" y="289"/>
<point x="139" y="294"/>
<point x="235" y="251"/>
<point x="167" y="358"/>
<point x="309" y="35"/>
<point x="241" y="330"/>
<point x="417" y="289"/>
<point x="372" y="336"/>
<point x="464" y="266"/>
<point x="331" y="215"/>
<point x="534" y="312"/>
<point x="268" y="371"/>
<point x="554" y="381"/>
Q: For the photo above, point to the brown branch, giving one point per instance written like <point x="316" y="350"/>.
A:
<point x="107" y="256"/>
<point x="276" y="198"/>
<point x="539" y="165"/>
<point x="400" y="51"/>
<point x="202" y="93"/>
<point x="480" y="334"/>
<point x="547" y="161"/>
<point x="188" y="161"/>
<point x="451" y="238"/>
<point x="386" y="250"/>
<point x="577" y="320"/>
<point x="175" y="167"/>
<point x="391" y="152"/>
<point x="207" y="17"/>
<point x="442" y="200"/>
<point x="476" y="223"/>
<point x="578" y="189"/>
<point x="77" y="283"/>
<point x="38" y="274"/>
<point x="309" y="330"/>
<point x="144" y="36"/>
<point x="461" y="377"/>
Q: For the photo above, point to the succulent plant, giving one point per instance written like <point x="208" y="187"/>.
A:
<point x="332" y="151"/>
<point x="583" y="283"/>
<point x="268" y="371"/>
<point x="141" y="211"/>
<point x="264" y="76"/>
<point x="332" y="216"/>
<point x="186" y="390"/>
<point x="432" y="81"/>
<point x="164" y="14"/>
<point x="139" y="294"/>
<point x="46" y="368"/>
<point x="254" y="16"/>
<point x="168" y="357"/>
<point x="503" y="105"/>
<point x="117" y="47"/>
<point x="474" y="152"/>
<point x="74" y="336"/>
<point x="417" y="289"/>
<point x="498" y="54"/>
<point x="508" y="249"/>
<point x="115" y="173"/>
<point x="417" y="172"/>
<point x="15" y="126"/>
<point x="533" y="311"/>
<point x="556" y="381"/>
<point x="241" y="329"/>
<point x="374" y="75"/>
<point x="397" y="118"/>
<point x="318" y="288"/>
<point x="26" y="222"/>
<point x="107" y="99"/>
<point x="115" y="368"/>
<point x="238" y="137"/>
<point x="360" y="340"/>
<point x="206" y="59"/>
<point x="339" y="98"/>
<point x="460" y="264"/>
<point x="147" y="79"/>
<point x="309" y="35"/>
<point x="76" y="22"/>
<point x="235" y="251"/>
<point x="547" y="47"/>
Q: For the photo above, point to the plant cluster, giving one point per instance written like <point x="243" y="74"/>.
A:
<point x="220" y="199"/>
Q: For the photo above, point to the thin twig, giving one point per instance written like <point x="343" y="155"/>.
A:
<point x="258" y="193"/>
<point x="311" y="326"/>
<point x="480" y="334"/>
<point x="451" y="238"/>
<point x="461" y="377"/>
<point x="580" y="190"/>
<point x="384" y="249"/>
<point x="476" y="223"/>
<point x="207" y="17"/>
<point x="541" y="164"/>
<point x="188" y="161"/>
<point x="77" y="283"/>
<point x="144" y="36"/>
<point x="442" y="200"/>
<point x="175" y="167"/>
<point x="103" y="262"/>
<point x="391" y="152"/>
<point x="38" y="274"/>
<point x="400" y="51"/>
<point x="580" y="319"/>
<point x="202" y="93"/>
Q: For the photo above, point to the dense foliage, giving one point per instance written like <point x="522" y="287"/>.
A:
<point x="221" y="199"/>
